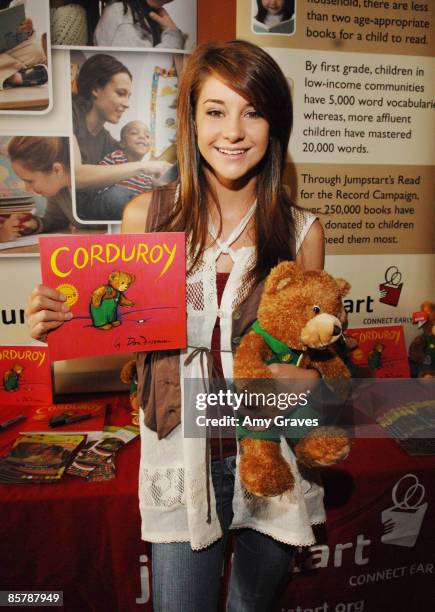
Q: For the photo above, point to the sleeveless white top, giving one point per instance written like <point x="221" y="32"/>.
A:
<point x="172" y="474"/>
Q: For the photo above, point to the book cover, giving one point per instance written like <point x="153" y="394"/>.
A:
<point x="39" y="419"/>
<point x="10" y="20"/>
<point x="25" y="376"/>
<point x="283" y="27"/>
<point x="126" y="292"/>
<point x="100" y="450"/>
<point x="381" y="351"/>
<point x="39" y="458"/>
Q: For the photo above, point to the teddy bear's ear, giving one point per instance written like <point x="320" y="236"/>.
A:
<point x="282" y="275"/>
<point x="132" y="278"/>
<point x="343" y="286"/>
<point x="113" y="275"/>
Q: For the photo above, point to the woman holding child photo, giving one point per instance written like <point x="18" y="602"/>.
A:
<point x="234" y="115"/>
<point x="104" y="87"/>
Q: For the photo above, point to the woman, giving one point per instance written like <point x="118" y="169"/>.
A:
<point x="234" y="116"/>
<point x="43" y="163"/>
<point x="103" y="91"/>
<point x="138" y="23"/>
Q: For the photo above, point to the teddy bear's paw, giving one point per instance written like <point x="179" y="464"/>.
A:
<point x="263" y="470"/>
<point x="324" y="446"/>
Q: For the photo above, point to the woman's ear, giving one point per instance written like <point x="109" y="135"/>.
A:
<point x="58" y="169"/>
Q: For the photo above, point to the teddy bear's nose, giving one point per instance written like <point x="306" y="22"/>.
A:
<point x="336" y="330"/>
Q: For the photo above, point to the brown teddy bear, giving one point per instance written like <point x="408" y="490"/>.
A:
<point x="128" y="376"/>
<point x="106" y="299"/>
<point x="298" y="319"/>
<point x="422" y="348"/>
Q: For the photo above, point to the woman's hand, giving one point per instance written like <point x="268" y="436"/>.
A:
<point x="163" y="18"/>
<point x="156" y="168"/>
<point x="293" y="379"/>
<point x="11" y="228"/>
<point x="46" y="310"/>
<point x="29" y="226"/>
<point x="26" y="26"/>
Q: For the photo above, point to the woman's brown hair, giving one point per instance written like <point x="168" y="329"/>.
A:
<point x="39" y="153"/>
<point x="254" y="75"/>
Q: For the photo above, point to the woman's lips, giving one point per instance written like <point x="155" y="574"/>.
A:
<point x="232" y="153"/>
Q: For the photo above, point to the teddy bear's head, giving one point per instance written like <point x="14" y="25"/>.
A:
<point x="303" y="309"/>
<point x="121" y="280"/>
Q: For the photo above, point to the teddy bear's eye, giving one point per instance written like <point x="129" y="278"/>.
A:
<point x="316" y="309"/>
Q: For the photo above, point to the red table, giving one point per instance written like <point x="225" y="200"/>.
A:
<point x="84" y="538"/>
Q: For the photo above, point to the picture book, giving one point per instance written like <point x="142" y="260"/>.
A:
<point x="39" y="458"/>
<point x="126" y="292"/>
<point x="381" y="352"/>
<point x="10" y="20"/>
<point x="77" y="417"/>
<point x="283" y="27"/>
<point x="25" y="376"/>
<point x="96" y="459"/>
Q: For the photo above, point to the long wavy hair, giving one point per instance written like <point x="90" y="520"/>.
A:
<point x="140" y="11"/>
<point x="287" y="12"/>
<point x="255" y="76"/>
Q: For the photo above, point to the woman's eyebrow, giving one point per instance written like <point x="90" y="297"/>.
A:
<point x="214" y="101"/>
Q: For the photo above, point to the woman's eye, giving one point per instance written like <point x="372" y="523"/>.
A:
<point x="214" y="113"/>
<point x="253" y="114"/>
<point x="316" y="309"/>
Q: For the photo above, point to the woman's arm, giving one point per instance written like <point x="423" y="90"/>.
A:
<point x="92" y="176"/>
<point x="135" y="214"/>
<point x="311" y="255"/>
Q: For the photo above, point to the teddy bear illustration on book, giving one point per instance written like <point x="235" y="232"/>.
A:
<point x="106" y="300"/>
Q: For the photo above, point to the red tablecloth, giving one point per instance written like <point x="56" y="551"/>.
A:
<point x="84" y="538"/>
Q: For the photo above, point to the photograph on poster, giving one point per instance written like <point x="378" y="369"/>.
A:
<point x="273" y="16"/>
<point x="124" y="24"/>
<point x="25" y="63"/>
<point x="35" y="192"/>
<point x="124" y="126"/>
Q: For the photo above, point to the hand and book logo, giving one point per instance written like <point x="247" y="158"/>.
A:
<point x="403" y="520"/>
<point x="391" y="288"/>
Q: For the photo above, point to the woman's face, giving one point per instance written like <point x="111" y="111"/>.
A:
<point x="112" y="100"/>
<point x="232" y="137"/>
<point x="273" y="6"/>
<point x="46" y="184"/>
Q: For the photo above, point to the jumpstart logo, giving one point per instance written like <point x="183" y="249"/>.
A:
<point x="391" y="288"/>
<point x="403" y="520"/>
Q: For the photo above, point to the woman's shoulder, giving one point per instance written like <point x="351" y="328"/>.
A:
<point x="149" y="209"/>
<point x="115" y="10"/>
<point x="302" y="221"/>
<point x="135" y="214"/>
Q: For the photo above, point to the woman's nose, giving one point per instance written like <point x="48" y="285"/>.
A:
<point x="233" y="129"/>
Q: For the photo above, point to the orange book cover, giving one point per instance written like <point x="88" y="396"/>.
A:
<point x="381" y="351"/>
<point x="126" y="292"/>
<point x="25" y="376"/>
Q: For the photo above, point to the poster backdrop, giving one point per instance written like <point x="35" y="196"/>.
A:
<point x="361" y="74"/>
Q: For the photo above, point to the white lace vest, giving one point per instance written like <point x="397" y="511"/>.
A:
<point x="172" y="475"/>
